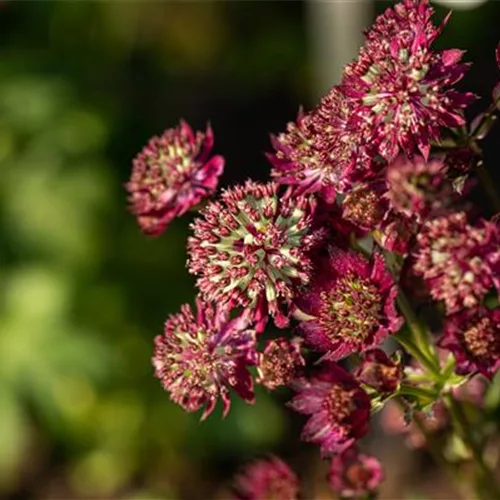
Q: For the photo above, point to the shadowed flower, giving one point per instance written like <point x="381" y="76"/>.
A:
<point x="172" y="174"/>
<point x="250" y="249"/>
<point x="280" y="362"/>
<point x="198" y="359"/>
<point x="473" y="336"/>
<point x="417" y="188"/>
<point x="339" y="408"/>
<point x="400" y="89"/>
<point x="268" y="479"/>
<point x="379" y="372"/>
<point x="350" y="305"/>
<point x="460" y="263"/>
<point x="354" y="475"/>
<point x="297" y="160"/>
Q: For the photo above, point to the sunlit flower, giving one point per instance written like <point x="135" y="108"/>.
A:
<point x="172" y="174"/>
<point x="350" y="305"/>
<point x="460" y="263"/>
<point x="250" y="249"/>
<point x="339" y="408"/>
<point x="198" y="359"/>
<point x="379" y="372"/>
<point x="473" y="336"/>
<point x="400" y="89"/>
<point x="280" y="362"/>
<point x="268" y="479"/>
<point x="354" y="475"/>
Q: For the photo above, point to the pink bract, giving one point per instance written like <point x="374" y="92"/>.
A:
<point x="172" y="174"/>
<point x="198" y="359"/>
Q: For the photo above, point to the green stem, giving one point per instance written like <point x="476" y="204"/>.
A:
<point x="489" y="489"/>
<point x="417" y="392"/>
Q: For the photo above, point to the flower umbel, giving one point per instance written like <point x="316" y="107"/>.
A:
<point x="354" y="475"/>
<point x="339" y="408"/>
<point x="460" y="263"/>
<point x="269" y="479"/>
<point x="280" y="362"/>
<point x="350" y="304"/>
<point x="250" y="249"/>
<point x="172" y="174"/>
<point x="198" y="359"/>
<point x="473" y="336"/>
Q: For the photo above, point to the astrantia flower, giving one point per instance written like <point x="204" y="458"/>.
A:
<point x="172" y="174"/>
<point x="198" y="359"/>
<point x="280" y="362"/>
<point x="269" y="479"/>
<point x="417" y="187"/>
<point x="339" y="408"/>
<point x="400" y="89"/>
<point x="473" y="336"/>
<point x="354" y="475"/>
<point x="297" y="160"/>
<point x="250" y="249"/>
<point x="379" y="372"/>
<point x="351" y="305"/>
<point x="460" y="263"/>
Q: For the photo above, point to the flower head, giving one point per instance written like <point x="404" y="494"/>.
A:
<point x="473" y="336"/>
<point x="354" y="475"/>
<point x="400" y="89"/>
<point x="379" y="372"/>
<point x="417" y="188"/>
<point x="460" y="263"/>
<point x="297" y="160"/>
<point x="351" y="305"/>
<point x="269" y="479"/>
<point x="250" y="249"/>
<point x="172" y="174"/>
<point x="198" y="359"/>
<point x="339" y="408"/>
<point x="280" y="362"/>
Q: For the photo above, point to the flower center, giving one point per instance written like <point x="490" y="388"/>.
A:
<point x="351" y="310"/>
<point x="480" y="339"/>
<point x="357" y="476"/>
<point x="339" y="403"/>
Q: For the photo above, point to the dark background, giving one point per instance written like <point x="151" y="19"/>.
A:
<point x="83" y="86"/>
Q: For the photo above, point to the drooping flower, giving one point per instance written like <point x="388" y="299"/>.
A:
<point x="268" y="479"/>
<point x="250" y="249"/>
<point x="355" y="475"/>
<point x="401" y="90"/>
<point x="350" y="305"/>
<point x="460" y="263"/>
<point x="339" y="408"/>
<point x="172" y="174"/>
<point x="198" y="359"/>
<point x="418" y="188"/>
<point x="280" y="362"/>
<point x="297" y="161"/>
<point x="473" y="336"/>
<point x="379" y="372"/>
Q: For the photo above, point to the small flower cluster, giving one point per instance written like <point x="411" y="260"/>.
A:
<point x="361" y="199"/>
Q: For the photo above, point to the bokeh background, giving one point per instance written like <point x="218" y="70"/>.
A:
<point x="83" y="86"/>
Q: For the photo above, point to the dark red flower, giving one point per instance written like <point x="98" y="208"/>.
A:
<point x="473" y="336"/>
<point x="400" y="90"/>
<point x="350" y="305"/>
<point x="354" y="475"/>
<point x="250" y="249"/>
<point x="379" y="372"/>
<point x="269" y="479"/>
<point x="459" y="263"/>
<point x="172" y="174"/>
<point x="198" y="359"/>
<point x="280" y="362"/>
<point x="339" y="408"/>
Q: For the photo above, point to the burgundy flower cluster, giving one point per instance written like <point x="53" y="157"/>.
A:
<point x="361" y="197"/>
